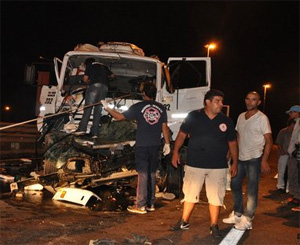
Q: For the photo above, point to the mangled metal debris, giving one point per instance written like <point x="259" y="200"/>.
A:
<point x="97" y="173"/>
<point x="34" y="187"/>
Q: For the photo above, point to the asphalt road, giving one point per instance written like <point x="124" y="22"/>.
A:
<point x="37" y="219"/>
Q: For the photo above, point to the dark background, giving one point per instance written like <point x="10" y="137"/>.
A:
<point x="258" y="43"/>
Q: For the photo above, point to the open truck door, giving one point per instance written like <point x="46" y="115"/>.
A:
<point x="190" y="79"/>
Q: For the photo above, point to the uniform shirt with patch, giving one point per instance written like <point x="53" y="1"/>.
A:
<point x="150" y="115"/>
<point x="208" y="139"/>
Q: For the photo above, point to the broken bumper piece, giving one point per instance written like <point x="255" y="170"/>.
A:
<point x="75" y="195"/>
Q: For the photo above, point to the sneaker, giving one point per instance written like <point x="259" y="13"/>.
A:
<point x="293" y="201"/>
<point x="137" y="210"/>
<point x="181" y="225"/>
<point x="281" y="191"/>
<point x="77" y="133"/>
<point x="232" y="219"/>
<point x="244" y="224"/>
<point x="150" y="208"/>
<point x="94" y="136"/>
<point x="214" y="231"/>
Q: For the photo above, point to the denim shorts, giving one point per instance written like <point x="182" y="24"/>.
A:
<point x="215" y="184"/>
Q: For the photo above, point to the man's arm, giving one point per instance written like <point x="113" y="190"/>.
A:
<point x="278" y="141"/>
<point x="85" y="78"/>
<point x="265" y="168"/>
<point x="109" y="73"/>
<point x="115" y="114"/>
<point x="166" y="132"/>
<point x="178" y="143"/>
<point x="281" y="151"/>
<point x="233" y="149"/>
<point x="112" y="76"/>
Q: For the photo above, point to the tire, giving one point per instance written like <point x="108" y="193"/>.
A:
<point x="174" y="178"/>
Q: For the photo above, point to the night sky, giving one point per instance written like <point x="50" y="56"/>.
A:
<point x="258" y="43"/>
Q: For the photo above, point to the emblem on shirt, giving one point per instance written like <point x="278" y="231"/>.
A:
<point x="151" y="115"/>
<point x="223" y="127"/>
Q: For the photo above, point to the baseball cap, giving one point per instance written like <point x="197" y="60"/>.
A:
<point x="294" y="108"/>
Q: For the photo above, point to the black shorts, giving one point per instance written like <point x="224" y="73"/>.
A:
<point x="146" y="158"/>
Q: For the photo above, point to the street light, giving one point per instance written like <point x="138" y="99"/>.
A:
<point x="210" y="46"/>
<point x="265" y="94"/>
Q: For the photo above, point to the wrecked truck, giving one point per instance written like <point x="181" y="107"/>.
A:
<point x="86" y="163"/>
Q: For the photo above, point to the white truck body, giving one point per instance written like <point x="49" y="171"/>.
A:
<point x="180" y="93"/>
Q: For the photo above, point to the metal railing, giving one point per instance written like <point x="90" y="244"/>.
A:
<point x="19" y="141"/>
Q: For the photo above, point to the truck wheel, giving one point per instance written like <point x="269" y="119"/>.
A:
<point x="174" y="179"/>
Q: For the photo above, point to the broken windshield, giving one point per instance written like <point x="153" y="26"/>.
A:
<point x="130" y="73"/>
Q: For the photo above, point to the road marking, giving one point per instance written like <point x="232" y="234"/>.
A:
<point x="232" y="237"/>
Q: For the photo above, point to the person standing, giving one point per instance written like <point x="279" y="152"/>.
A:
<point x="293" y="164"/>
<point x="97" y="76"/>
<point x="255" y="144"/>
<point x="151" y="118"/>
<point x="282" y="141"/>
<point x="211" y="134"/>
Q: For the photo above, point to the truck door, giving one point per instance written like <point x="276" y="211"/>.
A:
<point x="190" y="79"/>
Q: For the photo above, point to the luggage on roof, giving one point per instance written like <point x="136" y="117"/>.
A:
<point x="121" y="47"/>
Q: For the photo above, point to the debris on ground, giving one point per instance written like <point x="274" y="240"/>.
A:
<point x="165" y="195"/>
<point x="137" y="239"/>
<point x="102" y="242"/>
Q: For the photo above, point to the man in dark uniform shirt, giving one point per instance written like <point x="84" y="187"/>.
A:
<point x="151" y="118"/>
<point x="211" y="134"/>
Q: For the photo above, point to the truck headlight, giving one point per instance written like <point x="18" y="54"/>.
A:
<point x="179" y="115"/>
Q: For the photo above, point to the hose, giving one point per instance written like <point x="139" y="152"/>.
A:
<point x="63" y="112"/>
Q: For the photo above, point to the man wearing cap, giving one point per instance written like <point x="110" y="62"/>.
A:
<point x="293" y="164"/>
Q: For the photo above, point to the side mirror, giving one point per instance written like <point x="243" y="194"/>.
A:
<point x="30" y="74"/>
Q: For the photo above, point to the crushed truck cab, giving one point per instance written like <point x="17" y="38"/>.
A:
<point x="83" y="162"/>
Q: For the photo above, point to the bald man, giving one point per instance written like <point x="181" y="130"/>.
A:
<point x="255" y="144"/>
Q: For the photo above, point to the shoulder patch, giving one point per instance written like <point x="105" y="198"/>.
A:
<point x="223" y="127"/>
